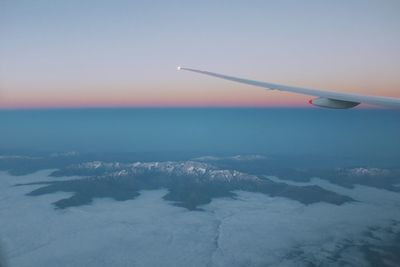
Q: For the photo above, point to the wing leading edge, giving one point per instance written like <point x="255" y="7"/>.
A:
<point x="330" y="99"/>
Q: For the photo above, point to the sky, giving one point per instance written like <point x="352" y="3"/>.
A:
<point x="125" y="53"/>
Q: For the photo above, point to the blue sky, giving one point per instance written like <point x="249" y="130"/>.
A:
<point x="124" y="53"/>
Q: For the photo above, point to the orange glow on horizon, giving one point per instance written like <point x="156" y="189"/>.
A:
<point x="207" y="94"/>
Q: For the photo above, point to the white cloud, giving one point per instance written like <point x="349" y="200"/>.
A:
<point x="254" y="230"/>
<point x="7" y="157"/>
<point x="236" y="157"/>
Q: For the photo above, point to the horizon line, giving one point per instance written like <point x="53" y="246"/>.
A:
<point x="363" y="107"/>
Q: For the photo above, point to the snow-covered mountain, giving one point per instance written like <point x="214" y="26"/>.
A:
<point x="190" y="183"/>
<point x="367" y="172"/>
<point x="179" y="168"/>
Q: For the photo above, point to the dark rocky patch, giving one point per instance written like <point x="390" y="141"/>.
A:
<point x="190" y="184"/>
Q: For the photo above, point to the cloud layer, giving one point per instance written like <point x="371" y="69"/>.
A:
<point x="254" y="230"/>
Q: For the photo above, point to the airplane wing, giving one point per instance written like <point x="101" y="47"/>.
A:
<point x="327" y="99"/>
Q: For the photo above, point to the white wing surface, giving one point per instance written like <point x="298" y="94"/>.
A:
<point x="328" y="99"/>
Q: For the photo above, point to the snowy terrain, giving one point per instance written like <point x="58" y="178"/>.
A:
<point x="252" y="230"/>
